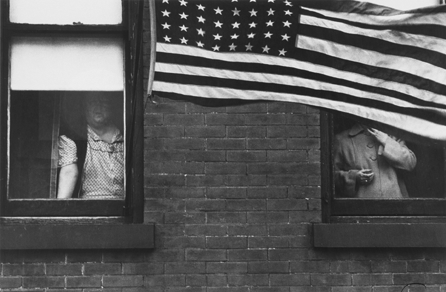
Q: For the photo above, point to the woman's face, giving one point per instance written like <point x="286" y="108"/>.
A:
<point x="98" y="110"/>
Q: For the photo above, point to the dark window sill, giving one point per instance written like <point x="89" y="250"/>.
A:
<point x="379" y="235"/>
<point x="71" y="234"/>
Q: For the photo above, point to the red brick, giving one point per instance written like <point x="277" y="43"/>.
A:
<point x="246" y="180"/>
<point x="226" y="217"/>
<point x="304" y="192"/>
<point x="267" y="242"/>
<point x="423" y="266"/>
<point x="174" y="167"/>
<point x="287" y="204"/>
<point x="206" y="156"/>
<point x="226" y="242"/>
<point x="252" y="107"/>
<point x="143" y="268"/>
<point x="23" y="269"/>
<point x="80" y="256"/>
<point x="10" y="282"/>
<point x="266" y="144"/>
<point x="125" y="256"/>
<point x="225" y="168"/>
<point x="248" y="229"/>
<point x="164" y="132"/>
<point x="153" y="119"/>
<point x="288" y="180"/>
<point x="206" y="230"/>
<point x="182" y="192"/>
<point x="303" y="143"/>
<point x="288" y="254"/>
<point x="262" y="119"/>
<point x="205" y="205"/>
<point x="286" y="107"/>
<point x="246" y="131"/>
<point x="226" y="267"/>
<point x="263" y="267"/>
<point x="183" y="217"/>
<point x="310" y="267"/>
<point x="165" y="281"/>
<point x="287" y="156"/>
<point x="305" y="216"/>
<point x="168" y="155"/>
<point x="168" y="205"/>
<point x="43" y="282"/>
<point x="196" y="280"/>
<point x="226" y="193"/>
<point x="226" y="144"/>
<point x="165" y="108"/>
<point x="43" y="256"/>
<point x="331" y="279"/>
<point x="185" y="268"/>
<point x="268" y="217"/>
<point x="165" y="180"/>
<point x="123" y="281"/>
<point x="166" y="255"/>
<point x="389" y="266"/>
<point x="371" y="279"/>
<point x="181" y="119"/>
<point x="184" y="242"/>
<point x="248" y="280"/>
<point x="216" y="281"/>
<point x="290" y="280"/>
<point x="248" y="156"/>
<point x="64" y="269"/>
<point x="224" y="119"/>
<point x="80" y="282"/>
<point x="246" y="205"/>
<point x="102" y="269"/>
<point x="286" y="131"/>
<point x="247" y="254"/>
<point x="206" y="255"/>
<point x="183" y="144"/>
<point x="205" y="131"/>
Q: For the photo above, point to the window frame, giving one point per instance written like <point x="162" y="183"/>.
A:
<point x="368" y="210"/>
<point x="130" y="30"/>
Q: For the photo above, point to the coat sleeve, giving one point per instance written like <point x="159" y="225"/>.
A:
<point x="399" y="155"/>
<point x="345" y="178"/>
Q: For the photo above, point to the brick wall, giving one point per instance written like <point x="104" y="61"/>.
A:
<point x="233" y="189"/>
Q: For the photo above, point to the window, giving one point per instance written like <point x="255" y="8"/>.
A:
<point x="55" y="56"/>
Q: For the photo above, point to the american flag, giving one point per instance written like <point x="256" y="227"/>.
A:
<point x="369" y="61"/>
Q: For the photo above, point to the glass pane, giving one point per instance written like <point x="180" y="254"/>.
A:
<point x="66" y="145"/>
<point x="370" y="162"/>
<point x="66" y="12"/>
<point x="50" y="63"/>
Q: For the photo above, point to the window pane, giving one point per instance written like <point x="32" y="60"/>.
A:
<point x="371" y="163"/>
<point x="66" y="12"/>
<point x="51" y="63"/>
<point x="66" y="145"/>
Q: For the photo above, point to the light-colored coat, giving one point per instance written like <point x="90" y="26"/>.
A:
<point x="357" y="149"/>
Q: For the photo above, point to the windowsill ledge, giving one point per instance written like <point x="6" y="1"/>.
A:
<point x="76" y="235"/>
<point x="379" y="235"/>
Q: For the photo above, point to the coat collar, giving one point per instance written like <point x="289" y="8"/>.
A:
<point x="356" y="130"/>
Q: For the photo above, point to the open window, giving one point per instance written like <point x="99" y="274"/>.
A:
<point x="65" y="65"/>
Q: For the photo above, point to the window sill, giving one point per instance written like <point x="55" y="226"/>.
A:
<point x="379" y="235"/>
<point x="75" y="235"/>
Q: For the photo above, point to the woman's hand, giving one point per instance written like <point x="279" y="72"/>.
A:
<point x="365" y="176"/>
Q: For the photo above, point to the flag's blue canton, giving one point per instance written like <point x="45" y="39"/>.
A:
<point x="253" y="26"/>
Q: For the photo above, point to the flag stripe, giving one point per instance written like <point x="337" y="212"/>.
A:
<point x="426" y="23"/>
<point x="169" y="54"/>
<point x="407" y="123"/>
<point x="434" y="44"/>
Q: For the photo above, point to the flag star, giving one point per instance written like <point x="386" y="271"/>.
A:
<point x="282" y="52"/>
<point x="234" y="1"/>
<point x="183" y="3"/>
<point x="183" y="28"/>
<point x="167" y="39"/>
<point x="165" y="13"/>
<point x="184" y="41"/>
<point x="236" y="12"/>
<point x="234" y="36"/>
<point x="183" y="15"/>
<point x="253" y="13"/>
<point x="218" y="11"/>
<point x="270" y="23"/>
<point x="166" y="26"/>
<point x="287" y="23"/>
<point x="252" y="0"/>
<point x="232" y="47"/>
<point x="235" y="25"/>
<point x="287" y="12"/>
<point x="200" y="31"/>
<point x="248" y="47"/>
<point x="201" y="19"/>
<point x="285" y="37"/>
<point x="252" y="25"/>
<point x="268" y="34"/>
<point x="166" y="1"/>
<point x="216" y="48"/>
<point x="217" y="37"/>
<point x="288" y="3"/>
<point x="218" y="24"/>
<point x="251" y="35"/>
<point x="200" y="44"/>
<point x="265" y="49"/>
<point x="200" y="7"/>
<point x="272" y="1"/>
<point x="270" y="12"/>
